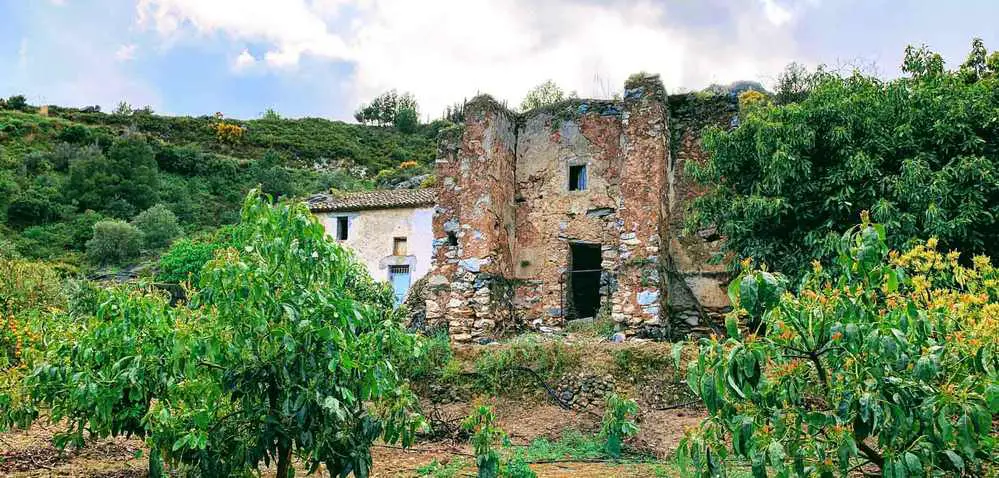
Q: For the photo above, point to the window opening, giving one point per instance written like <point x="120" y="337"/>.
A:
<point x="577" y="177"/>
<point x="399" y="246"/>
<point x="341" y="228"/>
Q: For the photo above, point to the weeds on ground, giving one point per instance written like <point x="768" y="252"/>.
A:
<point x="572" y="445"/>
<point x="436" y="469"/>
<point x="498" y="366"/>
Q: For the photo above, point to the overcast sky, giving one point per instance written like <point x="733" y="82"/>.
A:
<point x="324" y="57"/>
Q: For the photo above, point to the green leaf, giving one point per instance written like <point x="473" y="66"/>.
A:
<point x="955" y="460"/>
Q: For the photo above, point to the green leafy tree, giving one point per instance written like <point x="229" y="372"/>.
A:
<point x="545" y="94"/>
<point x="184" y="260"/>
<point x="274" y="179"/>
<point x="287" y="348"/>
<point x="391" y="108"/>
<point x="114" y="242"/>
<point x="37" y="205"/>
<point x="406" y="120"/>
<point x="122" y="109"/>
<point x="114" y="362"/>
<point x="302" y="352"/>
<point x="784" y="182"/>
<point x="159" y="226"/>
<point x="17" y="102"/>
<point x="793" y="84"/>
<point x="128" y="173"/>
<point x="271" y="115"/>
<point x="892" y="363"/>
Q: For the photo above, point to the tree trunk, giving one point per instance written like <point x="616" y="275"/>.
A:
<point x="284" y="461"/>
<point x="155" y="463"/>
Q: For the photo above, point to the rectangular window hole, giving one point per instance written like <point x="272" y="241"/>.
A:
<point x="577" y="177"/>
<point x="398" y="246"/>
<point x="341" y="228"/>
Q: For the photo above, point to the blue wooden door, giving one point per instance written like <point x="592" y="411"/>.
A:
<point x="399" y="277"/>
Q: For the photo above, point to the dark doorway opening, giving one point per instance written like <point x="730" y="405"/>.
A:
<point x="583" y="279"/>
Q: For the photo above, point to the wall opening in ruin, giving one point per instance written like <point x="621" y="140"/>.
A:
<point x="583" y="280"/>
<point x="577" y="177"/>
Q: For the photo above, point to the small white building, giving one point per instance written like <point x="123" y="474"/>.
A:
<point x="391" y="231"/>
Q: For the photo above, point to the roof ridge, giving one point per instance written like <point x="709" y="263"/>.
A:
<point x="373" y="199"/>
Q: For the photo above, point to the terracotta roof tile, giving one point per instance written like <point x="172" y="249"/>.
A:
<point x="381" y="199"/>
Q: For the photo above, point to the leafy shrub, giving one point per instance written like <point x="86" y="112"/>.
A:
<point x="228" y="133"/>
<point x="114" y="242"/>
<point x="184" y="260"/>
<point x="17" y="102"/>
<point x="158" y="225"/>
<point x="893" y="362"/>
<point x="37" y="205"/>
<point x="618" y="423"/>
<point x="788" y="179"/>
<point x="481" y="424"/>
<point x="76" y="134"/>
<point x="64" y="154"/>
<point x="27" y="290"/>
<point x="273" y="178"/>
<point x="127" y="174"/>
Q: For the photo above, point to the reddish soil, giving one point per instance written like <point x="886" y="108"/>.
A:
<point x="31" y="454"/>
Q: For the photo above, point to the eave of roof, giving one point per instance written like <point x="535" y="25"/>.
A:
<point x="368" y="200"/>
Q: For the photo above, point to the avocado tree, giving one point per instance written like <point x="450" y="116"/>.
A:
<point x="104" y="369"/>
<point x="286" y="348"/>
<point x="920" y="152"/>
<point x="892" y="364"/>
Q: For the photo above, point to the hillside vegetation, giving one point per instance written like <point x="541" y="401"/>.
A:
<point x="63" y="172"/>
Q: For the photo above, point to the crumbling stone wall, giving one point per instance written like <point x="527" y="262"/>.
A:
<point x="550" y="217"/>
<point x="506" y="217"/>
<point x="473" y="222"/>
<point x="695" y="284"/>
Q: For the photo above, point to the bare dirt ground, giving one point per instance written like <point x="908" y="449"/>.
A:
<point x="643" y="370"/>
<point x="31" y="454"/>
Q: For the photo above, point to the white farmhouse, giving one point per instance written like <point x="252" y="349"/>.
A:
<point x="391" y="231"/>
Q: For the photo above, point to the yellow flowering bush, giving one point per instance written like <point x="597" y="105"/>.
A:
<point x="228" y="133"/>
<point x="29" y="291"/>
<point x="890" y="364"/>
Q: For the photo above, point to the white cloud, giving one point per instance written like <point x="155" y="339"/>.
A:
<point x="444" y="50"/>
<point x="290" y="27"/>
<point x="125" y="52"/>
<point x="775" y="13"/>
<point x="244" y="60"/>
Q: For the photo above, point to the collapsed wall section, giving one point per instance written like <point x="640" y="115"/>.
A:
<point x="695" y="280"/>
<point x="554" y="211"/>
<point x="645" y="147"/>
<point x="473" y="222"/>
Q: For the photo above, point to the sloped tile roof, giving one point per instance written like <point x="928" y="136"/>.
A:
<point x="382" y="199"/>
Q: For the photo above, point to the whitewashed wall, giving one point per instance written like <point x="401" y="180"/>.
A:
<point x="371" y="234"/>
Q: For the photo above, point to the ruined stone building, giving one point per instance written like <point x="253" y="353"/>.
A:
<point x="573" y="211"/>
